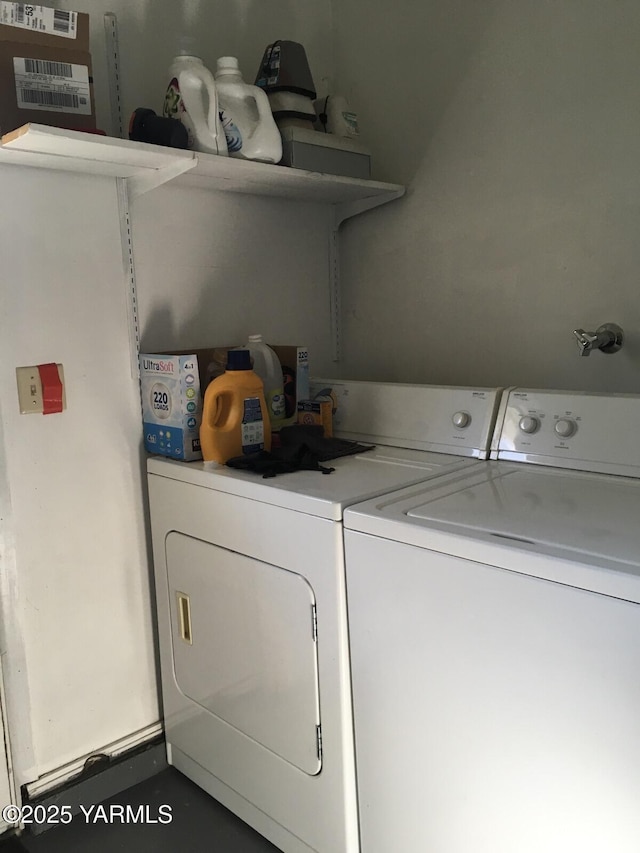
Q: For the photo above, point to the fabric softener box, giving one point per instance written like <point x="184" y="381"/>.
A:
<point x="317" y="412"/>
<point x="45" y="68"/>
<point x="171" y="405"/>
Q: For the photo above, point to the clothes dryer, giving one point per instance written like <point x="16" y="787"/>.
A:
<point x="494" y="621"/>
<point x="252" y="624"/>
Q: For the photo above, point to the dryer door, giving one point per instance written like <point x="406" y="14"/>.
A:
<point x="244" y="645"/>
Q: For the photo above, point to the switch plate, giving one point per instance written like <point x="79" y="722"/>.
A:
<point x="30" y="389"/>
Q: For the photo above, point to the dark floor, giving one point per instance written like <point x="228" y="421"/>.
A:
<point x="198" y="824"/>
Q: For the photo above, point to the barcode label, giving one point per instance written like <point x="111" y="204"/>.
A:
<point x="61" y="21"/>
<point x="53" y="86"/>
<point x="42" y="66"/>
<point x="50" y="99"/>
<point x="42" y="19"/>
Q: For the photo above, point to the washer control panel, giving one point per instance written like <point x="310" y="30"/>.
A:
<point x="599" y="432"/>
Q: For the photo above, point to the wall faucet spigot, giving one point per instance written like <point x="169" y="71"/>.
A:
<point x="608" y="338"/>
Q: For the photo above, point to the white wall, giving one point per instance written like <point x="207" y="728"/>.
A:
<point x="76" y="611"/>
<point x="213" y="268"/>
<point x="76" y="615"/>
<point x="514" y="124"/>
<point x="7" y="794"/>
<point x="149" y="32"/>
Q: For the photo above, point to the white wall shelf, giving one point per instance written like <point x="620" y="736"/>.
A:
<point x="144" y="167"/>
<point x="73" y="151"/>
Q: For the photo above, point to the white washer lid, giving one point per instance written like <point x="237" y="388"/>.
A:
<point x="571" y="527"/>
<point x="355" y="478"/>
<point x="582" y="513"/>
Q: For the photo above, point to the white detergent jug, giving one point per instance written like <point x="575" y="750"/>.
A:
<point x="267" y="366"/>
<point x="341" y="120"/>
<point x="251" y="131"/>
<point x="193" y="99"/>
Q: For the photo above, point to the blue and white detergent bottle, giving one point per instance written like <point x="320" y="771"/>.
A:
<point x="251" y="131"/>
<point x="192" y="98"/>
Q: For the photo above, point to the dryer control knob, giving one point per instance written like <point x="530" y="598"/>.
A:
<point x="529" y="424"/>
<point x="461" y="419"/>
<point x="565" y="427"/>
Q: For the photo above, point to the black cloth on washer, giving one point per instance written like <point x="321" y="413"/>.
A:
<point x="302" y="448"/>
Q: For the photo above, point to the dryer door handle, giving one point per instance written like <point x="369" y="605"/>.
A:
<point x="184" y="617"/>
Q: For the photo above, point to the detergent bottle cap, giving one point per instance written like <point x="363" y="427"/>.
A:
<point x="227" y="65"/>
<point x="239" y="359"/>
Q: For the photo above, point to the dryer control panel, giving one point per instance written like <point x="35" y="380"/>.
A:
<point x="584" y="431"/>
<point x="440" y="418"/>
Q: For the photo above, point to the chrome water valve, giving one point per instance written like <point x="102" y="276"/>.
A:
<point x="608" y="338"/>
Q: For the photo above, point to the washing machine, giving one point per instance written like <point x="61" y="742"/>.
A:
<point x="494" y="622"/>
<point x="251" y="607"/>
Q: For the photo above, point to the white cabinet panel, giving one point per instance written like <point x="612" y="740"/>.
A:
<point x="80" y="670"/>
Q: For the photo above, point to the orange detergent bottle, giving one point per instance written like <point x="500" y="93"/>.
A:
<point x="235" y="419"/>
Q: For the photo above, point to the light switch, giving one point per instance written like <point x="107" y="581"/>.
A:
<point x="30" y="392"/>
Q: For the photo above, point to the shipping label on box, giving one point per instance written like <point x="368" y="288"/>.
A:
<point x="42" y="19"/>
<point x="52" y="86"/>
<point x="45" y="68"/>
<point x="171" y="405"/>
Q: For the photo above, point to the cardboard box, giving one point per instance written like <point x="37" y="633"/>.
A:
<point x="324" y="152"/>
<point x="171" y="405"/>
<point x="172" y="388"/>
<point x="317" y="412"/>
<point x="294" y="361"/>
<point x="45" y="68"/>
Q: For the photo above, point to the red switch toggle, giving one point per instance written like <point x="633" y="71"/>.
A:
<point x="51" y="388"/>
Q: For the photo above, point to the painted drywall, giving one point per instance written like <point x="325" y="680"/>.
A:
<point x="514" y="125"/>
<point x="6" y="784"/>
<point x="76" y="617"/>
<point x="214" y="267"/>
<point x="149" y="30"/>
<point x="76" y="606"/>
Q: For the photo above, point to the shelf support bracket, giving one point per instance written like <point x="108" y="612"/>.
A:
<point x="149" y="179"/>
<point x="339" y="213"/>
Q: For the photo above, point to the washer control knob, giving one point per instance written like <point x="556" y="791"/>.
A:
<point x="461" y="419"/>
<point x="565" y="427"/>
<point x="529" y="424"/>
